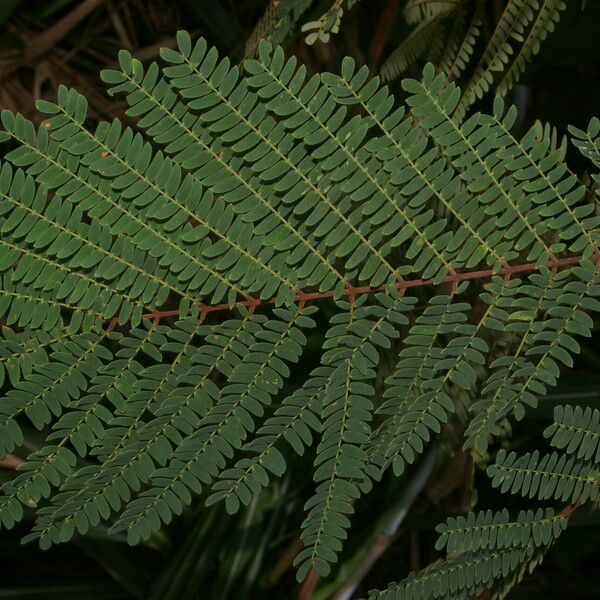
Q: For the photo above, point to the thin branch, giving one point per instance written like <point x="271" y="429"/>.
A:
<point x="308" y="586"/>
<point x="10" y="461"/>
<point x="382" y="32"/>
<point x="568" y="510"/>
<point x="304" y="297"/>
<point x="50" y="37"/>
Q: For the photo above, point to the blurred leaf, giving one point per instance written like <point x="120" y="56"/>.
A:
<point x="6" y="8"/>
<point x="184" y="574"/>
<point x="117" y="560"/>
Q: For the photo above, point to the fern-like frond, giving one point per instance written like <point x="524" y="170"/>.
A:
<point x="417" y="402"/>
<point x="538" y="168"/>
<point x="292" y="422"/>
<point x="118" y="384"/>
<point x="113" y="210"/>
<point x="515" y="21"/>
<point x="407" y="157"/>
<point x="20" y="351"/>
<point x="179" y="394"/>
<point x="61" y="232"/>
<point x="414" y="45"/>
<point x="328" y="23"/>
<point x="351" y="357"/>
<point x="287" y="160"/>
<point x="276" y="24"/>
<point x="256" y="190"/>
<point x="588" y="143"/>
<point x="461" y="42"/>
<point x="550" y="476"/>
<point x="417" y="11"/>
<point x="82" y="424"/>
<point x="318" y="122"/>
<point x="543" y="342"/>
<point x="576" y="431"/>
<point x="201" y="456"/>
<point x="162" y="194"/>
<point x="52" y="385"/>
<point x="480" y="154"/>
<point x="44" y="280"/>
<point x="44" y="468"/>
<point x="459" y="578"/>
<point x="48" y="253"/>
<point x="488" y="530"/>
<point x="548" y="15"/>
<point x="222" y="168"/>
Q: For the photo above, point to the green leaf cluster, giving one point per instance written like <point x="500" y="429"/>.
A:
<point x="158" y="285"/>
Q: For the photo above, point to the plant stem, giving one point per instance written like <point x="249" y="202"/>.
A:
<point x="507" y="271"/>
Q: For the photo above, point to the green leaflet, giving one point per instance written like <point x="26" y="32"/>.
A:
<point x="588" y="143"/>
<point x="350" y="360"/>
<point x="414" y="45"/>
<point x="177" y="406"/>
<point x="276" y="23"/>
<point x="483" y="549"/>
<point x="158" y="190"/>
<point x="461" y="41"/>
<point x="292" y="422"/>
<point x="495" y="530"/>
<point x="19" y="351"/>
<point x="458" y="578"/>
<point x="221" y="430"/>
<point x="311" y="114"/>
<point x="217" y="167"/>
<point x="159" y="285"/>
<point x="515" y="24"/>
<point x="43" y="470"/>
<point x="517" y="380"/>
<point x="576" y="431"/>
<point x="100" y="271"/>
<point x="549" y="476"/>
<point x="52" y="384"/>
<point x="83" y="424"/>
<point x="412" y="166"/>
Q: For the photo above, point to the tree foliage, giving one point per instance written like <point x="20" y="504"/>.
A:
<point x="158" y="285"/>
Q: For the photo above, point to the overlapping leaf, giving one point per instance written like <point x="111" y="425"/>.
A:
<point x="256" y="189"/>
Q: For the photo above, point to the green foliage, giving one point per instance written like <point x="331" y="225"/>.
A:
<point x="528" y="22"/>
<point x="276" y="23"/>
<point x="447" y="32"/>
<point x="414" y="46"/>
<point x="461" y="41"/>
<point x="328" y="23"/>
<point x="547" y="16"/>
<point x="489" y="550"/>
<point x="588" y="143"/>
<point x="575" y="431"/>
<point x="484" y="530"/>
<point x="482" y="547"/>
<point x="256" y="190"/>
<point x="550" y="476"/>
